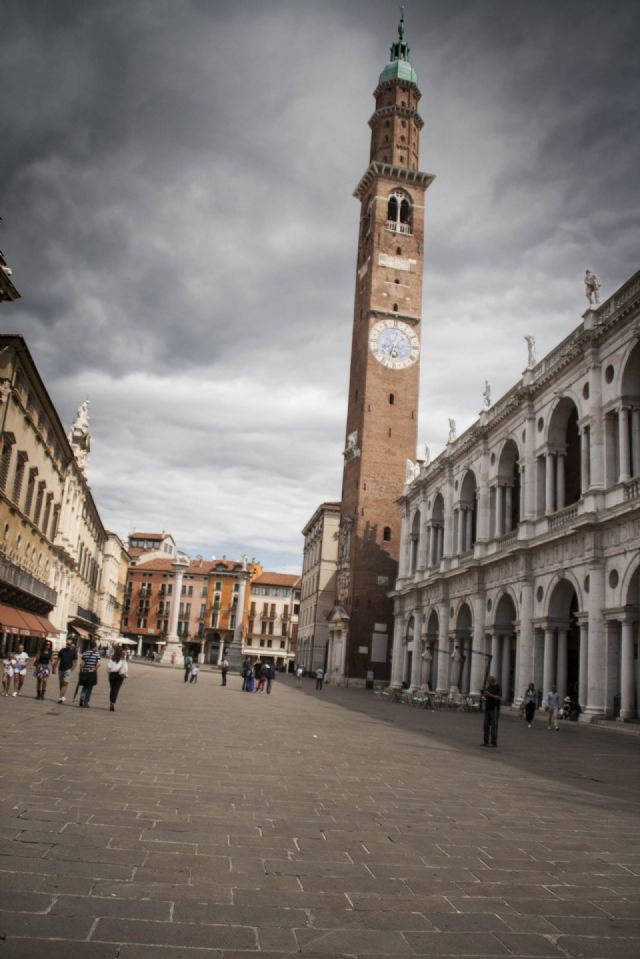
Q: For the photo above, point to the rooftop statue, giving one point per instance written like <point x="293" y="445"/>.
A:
<point x="531" y="351"/>
<point x="592" y="285"/>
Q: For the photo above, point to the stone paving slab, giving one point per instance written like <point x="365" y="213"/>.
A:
<point x="198" y="821"/>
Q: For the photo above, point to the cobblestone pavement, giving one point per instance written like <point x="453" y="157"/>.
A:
<point x="198" y="821"/>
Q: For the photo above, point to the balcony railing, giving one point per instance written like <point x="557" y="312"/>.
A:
<point x="507" y="540"/>
<point x="632" y="489"/>
<point x="563" y="517"/>
<point x="394" y="227"/>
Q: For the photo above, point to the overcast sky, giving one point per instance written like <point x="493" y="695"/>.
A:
<point x="176" y="184"/>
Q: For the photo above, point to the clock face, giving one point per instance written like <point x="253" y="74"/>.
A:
<point x="394" y="344"/>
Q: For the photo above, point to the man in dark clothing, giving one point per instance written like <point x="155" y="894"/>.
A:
<point x="271" y="675"/>
<point x="65" y="664"/>
<point x="492" y="700"/>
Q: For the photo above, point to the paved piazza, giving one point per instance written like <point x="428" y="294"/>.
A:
<point x="199" y="821"/>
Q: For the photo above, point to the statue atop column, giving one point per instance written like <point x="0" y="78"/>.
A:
<point x="592" y="284"/>
<point x="79" y="436"/>
<point x="531" y="351"/>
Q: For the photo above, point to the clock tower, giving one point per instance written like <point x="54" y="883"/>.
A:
<point x="381" y="433"/>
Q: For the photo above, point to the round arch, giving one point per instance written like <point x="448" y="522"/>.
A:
<point x="630" y="586"/>
<point x="563" y="439"/>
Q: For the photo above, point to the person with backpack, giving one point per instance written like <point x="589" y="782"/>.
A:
<point x="188" y="663"/>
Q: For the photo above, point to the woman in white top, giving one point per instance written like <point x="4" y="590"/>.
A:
<point x="117" y="670"/>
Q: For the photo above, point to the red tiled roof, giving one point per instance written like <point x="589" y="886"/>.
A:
<point x="277" y="579"/>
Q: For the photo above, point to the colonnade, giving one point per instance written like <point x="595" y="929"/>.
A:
<point x="608" y="666"/>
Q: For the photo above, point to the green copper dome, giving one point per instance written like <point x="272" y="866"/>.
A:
<point x="399" y="67"/>
<point x="399" y="70"/>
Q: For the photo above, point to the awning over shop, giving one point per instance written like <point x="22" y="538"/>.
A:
<point x="11" y="621"/>
<point x="47" y="625"/>
<point x="33" y="624"/>
<point x="79" y="631"/>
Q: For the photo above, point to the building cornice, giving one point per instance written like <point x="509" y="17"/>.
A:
<point x="392" y="172"/>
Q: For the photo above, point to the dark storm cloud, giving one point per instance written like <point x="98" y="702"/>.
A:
<point x="176" y="192"/>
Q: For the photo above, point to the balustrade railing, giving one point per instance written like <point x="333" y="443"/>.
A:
<point x="563" y="517"/>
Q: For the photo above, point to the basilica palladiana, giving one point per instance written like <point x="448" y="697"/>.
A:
<point x="519" y="551"/>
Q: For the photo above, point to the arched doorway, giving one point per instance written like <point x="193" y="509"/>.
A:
<point x="467" y="514"/>
<point x="503" y="646"/>
<point x="460" y="654"/>
<point x="565" y="483"/>
<point x="507" y="499"/>
<point x="436" y="540"/>
<point x="561" y="653"/>
<point x="630" y="411"/>
<point x="429" y="670"/>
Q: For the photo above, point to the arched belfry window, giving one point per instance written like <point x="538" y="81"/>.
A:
<point x="399" y="213"/>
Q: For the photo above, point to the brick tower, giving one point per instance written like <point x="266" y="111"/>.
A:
<point x="381" y="432"/>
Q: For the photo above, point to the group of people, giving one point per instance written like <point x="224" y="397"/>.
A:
<point x="256" y="677"/>
<point x="551" y="704"/>
<point x="47" y="663"/>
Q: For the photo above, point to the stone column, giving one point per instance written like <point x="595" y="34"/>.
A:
<point x="443" y="647"/>
<point x="478" y="660"/>
<point x="396" y="655"/>
<point x="585" y="479"/>
<point x="549" y="491"/>
<point x="506" y="668"/>
<point x="595" y="706"/>
<point x="522" y="502"/>
<point x="635" y="442"/>
<point x="508" y="508"/>
<point x="583" y="668"/>
<point x="499" y="509"/>
<point x="495" y="655"/>
<point x="460" y="545"/>
<point x="531" y="471"/>
<point x="440" y="543"/>
<point x="448" y="545"/>
<point x="405" y="543"/>
<point x="484" y="512"/>
<point x="526" y="643"/>
<point x="548" y="675"/>
<point x="468" y="516"/>
<point x="623" y="442"/>
<point x="422" y="546"/>
<point x="596" y="425"/>
<point x="416" y="657"/>
<point x="174" y="643"/>
<point x="538" y="660"/>
<point x="561" y="673"/>
<point x="234" y="651"/>
<point x="560" y="493"/>
<point x="627" y="672"/>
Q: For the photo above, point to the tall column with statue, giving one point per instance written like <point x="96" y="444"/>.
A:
<point x="173" y="650"/>
<point x="234" y="651"/>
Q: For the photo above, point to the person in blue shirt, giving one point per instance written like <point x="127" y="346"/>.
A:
<point x="552" y="705"/>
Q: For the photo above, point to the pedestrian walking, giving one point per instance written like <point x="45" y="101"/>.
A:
<point x="65" y="664"/>
<point x="257" y="667"/>
<point x="117" y="672"/>
<point x="249" y="680"/>
<point x="552" y="706"/>
<point x="271" y="675"/>
<point x="195" y="669"/>
<point x="530" y="702"/>
<point x="492" y="700"/>
<point x="262" y="679"/>
<point x="319" y="677"/>
<point x="88" y="677"/>
<point x="42" y="666"/>
<point x="224" y="670"/>
<point x="188" y="663"/>
<point x="20" y="669"/>
<point x="246" y="669"/>
<point x="299" y="675"/>
<point x="8" y="670"/>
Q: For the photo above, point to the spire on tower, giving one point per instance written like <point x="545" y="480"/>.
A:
<point x="400" y="49"/>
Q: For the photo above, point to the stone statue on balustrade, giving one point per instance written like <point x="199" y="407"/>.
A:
<point x="452" y="430"/>
<point x="592" y="284"/>
<point x="531" y="351"/>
